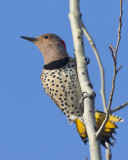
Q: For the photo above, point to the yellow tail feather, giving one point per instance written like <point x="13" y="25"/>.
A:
<point x="111" y="117"/>
<point x="107" y="131"/>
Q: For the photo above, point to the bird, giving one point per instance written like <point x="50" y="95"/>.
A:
<point x="60" y="82"/>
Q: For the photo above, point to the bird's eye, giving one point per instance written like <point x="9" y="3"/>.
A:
<point x="45" y="37"/>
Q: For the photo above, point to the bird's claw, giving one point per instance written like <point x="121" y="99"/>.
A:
<point x="87" y="60"/>
<point x="86" y="95"/>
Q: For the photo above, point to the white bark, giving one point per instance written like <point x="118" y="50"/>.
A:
<point x="102" y="90"/>
<point x="89" y="111"/>
<point x="108" y="152"/>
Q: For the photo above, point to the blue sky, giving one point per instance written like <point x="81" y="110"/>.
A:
<point x="31" y="126"/>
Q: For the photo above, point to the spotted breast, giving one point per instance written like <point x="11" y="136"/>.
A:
<point x="63" y="88"/>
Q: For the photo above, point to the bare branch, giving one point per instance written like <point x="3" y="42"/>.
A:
<point x="89" y="119"/>
<point x="102" y="77"/>
<point x="109" y="106"/>
<point x="103" y="124"/>
<point x="114" y="56"/>
<point x="91" y="42"/>
<point x="111" y="48"/>
<point x="119" y="28"/>
<point x="112" y="51"/>
<point x="108" y="152"/>
<point x="119" y="107"/>
<point x="118" y="69"/>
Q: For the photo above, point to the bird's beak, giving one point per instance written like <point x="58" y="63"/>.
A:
<point x="30" y="38"/>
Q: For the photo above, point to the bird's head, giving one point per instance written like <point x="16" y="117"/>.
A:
<point x="51" y="46"/>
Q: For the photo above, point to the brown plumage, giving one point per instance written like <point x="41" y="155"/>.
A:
<point x="60" y="82"/>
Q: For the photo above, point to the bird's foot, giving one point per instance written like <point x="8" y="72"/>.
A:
<point x="86" y="95"/>
<point x="87" y="60"/>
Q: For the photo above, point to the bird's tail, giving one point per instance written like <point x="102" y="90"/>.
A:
<point x="106" y="133"/>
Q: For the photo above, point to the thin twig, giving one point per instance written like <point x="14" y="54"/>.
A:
<point x="112" y="51"/>
<point x="114" y="56"/>
<point x="119" y="107"/>
<point x="113" y="81"/>
<point x="119" y="29"/>
<point x="103" y="124"/>
<point x="119" y="68"/>
<point x="91" y="42"/>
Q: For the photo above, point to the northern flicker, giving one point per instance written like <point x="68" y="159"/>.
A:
<point x="60" y="82"/>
